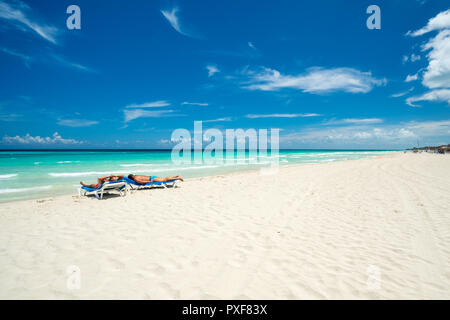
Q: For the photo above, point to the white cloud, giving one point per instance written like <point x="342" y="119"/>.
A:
<point x="433" y="95"/>
<point x="16" y="14"/>
<point x="430" y="128"/>
<point x="171" y="16"/>
<point x="75" y="123"/>
<point x="139" y="113"/>
<point x="195" y="103"/>
<point x="282" y="115"/>
<point x="251" y="45"/>
<point x="401" y="94"/>
<point x="174" y="21"/>
<point x="218" y="120"/>
<point x="437" y="74"/>
<point x="413" y="77"/>
<point x="28" y="139"/>
<point x="359" y="121"/>
<point x="212" y="69"/>
<point x="412" y="58"/>
<point x="369" y="135"/>
<point x="154" y="104"/>
<point x="439" y="22"/>
<point x="316" y="80"/>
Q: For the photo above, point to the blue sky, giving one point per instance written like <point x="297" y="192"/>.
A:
<point x="137" y="70"/>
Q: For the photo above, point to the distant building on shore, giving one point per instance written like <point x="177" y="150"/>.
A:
<point x="433" y="149"/>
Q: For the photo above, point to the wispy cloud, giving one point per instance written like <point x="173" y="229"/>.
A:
<point x="56" y="138"/>
<point x="218" y="120"/>
<point x="251" y="45"/>
<point x="154" y="104"/>
<point x="401" y="94"/>
<point x="195" y="103"/>
<point x="412" y="58"/>
<point x="173" y="19"/>
<point x="54" y="58"/>
<point x="17" y="14"/>
<point x="316" y="80"/>
<point x="10" y="117"/>
<point x="70" y="64"/>
<point x="75" y="123"/>
<point x="412" y="77"/>
<point x="26" y="59"/>
<point x="354" y="121"/>
<point x="212" y="70"/>
<point x="433" y="95"/>
<point x="282" y="115"/>
<point x="171" y="16"/>
<point x="132" y="114"/>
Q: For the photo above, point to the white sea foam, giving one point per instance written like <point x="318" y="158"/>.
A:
<point x="138" y="165"/>
<point x="194" y="168"/>
<point x="80" y="174"/>
<point x="67" y="161"/>
<point x="8" y="176"/>
<point x="15" y="190"/>
<point x="100" y="173"/>
<point x="239" y="159"/>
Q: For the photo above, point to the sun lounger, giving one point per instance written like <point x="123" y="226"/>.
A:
<point x="134" y="185"/>
<point x="120" y="186"/>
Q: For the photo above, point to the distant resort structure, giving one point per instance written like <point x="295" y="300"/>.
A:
<point x="433" y="149"/>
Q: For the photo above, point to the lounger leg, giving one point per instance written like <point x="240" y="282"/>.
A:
<point x="96" y="195"/>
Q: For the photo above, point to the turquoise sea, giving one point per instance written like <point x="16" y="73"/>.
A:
<point x="40" y="174"/>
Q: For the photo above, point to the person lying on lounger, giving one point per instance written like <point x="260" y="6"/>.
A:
<point x="146" y="179"/>
<point x="102" y="180"/>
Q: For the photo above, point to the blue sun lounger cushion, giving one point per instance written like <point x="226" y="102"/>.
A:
<point x="134" y="185"/>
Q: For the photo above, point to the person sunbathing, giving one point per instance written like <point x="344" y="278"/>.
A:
<point x="102" y="180"/>
<point x="146" y="179"/>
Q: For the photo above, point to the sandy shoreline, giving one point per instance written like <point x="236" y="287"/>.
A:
<point x="370" y="228"/>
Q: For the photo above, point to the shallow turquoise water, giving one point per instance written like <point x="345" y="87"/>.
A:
<point x="36" y="174"/>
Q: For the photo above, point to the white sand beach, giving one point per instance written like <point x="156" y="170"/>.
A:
<point x="376" y="228"/>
